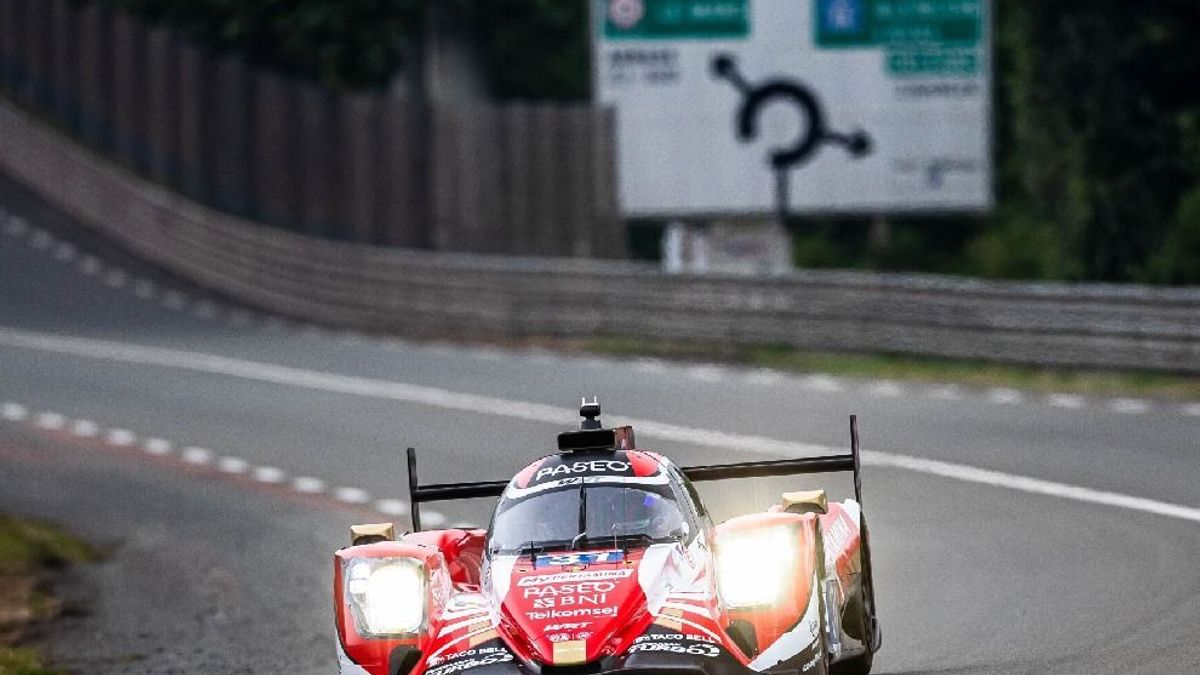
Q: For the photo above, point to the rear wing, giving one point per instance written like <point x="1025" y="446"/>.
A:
<point x="419" y="494"/>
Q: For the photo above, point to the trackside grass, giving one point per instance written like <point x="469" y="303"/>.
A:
<point x="29" y="552"/>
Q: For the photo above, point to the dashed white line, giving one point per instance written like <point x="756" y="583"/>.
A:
<point x="269" y="474"/>
<point x="1069" y="401"/>
<point x="945" y="393"/>
<point x="16" y="226"/>
<point x="158" y="446"/>
<point x="116" y="278"/>
<point x="195" y="455"/>
<point x="885" y="389"/>
<point x="143" y="289"/>
<point x="652" y="366"/>
<point x="351" y="495"/>
<point x="89" y="265"/>
<point x="308" y="485"/>
<point x="64" y="252"/>
<point x="14" y="412"/>
<point x="40" y="239"/>
<point x="764" y="377"/>
<point x="705" y="373"/>
<point x="205" y="309"/>
<point x="391" y="507"/>
<point x="1192" y="409"/>
<point x="821" y="383"/>
<point x="233" y="465"/>
<point x="1005" y="396"/>
<point x="174" y="300"/>
<point x="120" y="437"/>
<point x="84" y="428"/>
<point x="1129" y="406"/>
<point x="50" y="420"/>
<point x="433" y="518"/>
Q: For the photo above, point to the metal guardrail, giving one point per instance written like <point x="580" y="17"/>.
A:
<point x="410" y="292"/>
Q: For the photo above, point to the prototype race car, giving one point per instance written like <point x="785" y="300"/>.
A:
<point x="601" y="558"/>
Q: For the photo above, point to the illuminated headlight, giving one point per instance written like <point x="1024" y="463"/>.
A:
<point x="755" y="568"/>
<point x="387" y="595"/>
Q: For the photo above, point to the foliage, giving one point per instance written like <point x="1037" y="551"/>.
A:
<point x="340" y="43"/>
<point x="1178" y="260"/>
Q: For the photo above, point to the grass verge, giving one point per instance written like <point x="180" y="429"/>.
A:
<point x="902" y="367"/>
<point x="30" y="552"/>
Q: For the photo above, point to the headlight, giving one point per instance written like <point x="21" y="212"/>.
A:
<point x="387" y="595"/>
<point x="755" y="568"/>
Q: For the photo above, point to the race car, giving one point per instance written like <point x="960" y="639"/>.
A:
<point x="602" y="558"/>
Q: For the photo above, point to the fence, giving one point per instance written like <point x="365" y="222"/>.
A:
<point x="362" y="167"/>
<point x="388" y="289"/>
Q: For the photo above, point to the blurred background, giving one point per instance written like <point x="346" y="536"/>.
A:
<point x="250" y="250"/>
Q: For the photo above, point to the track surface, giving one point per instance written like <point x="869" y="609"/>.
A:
<point x="222" y="486"/>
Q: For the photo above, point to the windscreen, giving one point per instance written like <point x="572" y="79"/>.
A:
<point x="600" y="512"/>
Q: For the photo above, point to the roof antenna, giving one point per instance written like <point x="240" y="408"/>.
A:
<point x="589" y="411"/>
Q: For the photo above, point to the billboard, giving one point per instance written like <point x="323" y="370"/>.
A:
<point x="730" y="107"/>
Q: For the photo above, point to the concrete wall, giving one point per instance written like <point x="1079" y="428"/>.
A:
<point x="412" y="292"/>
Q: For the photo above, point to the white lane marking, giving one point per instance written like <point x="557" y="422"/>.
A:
<point x="1192" y="409"/>
<point x="64" y="252"/>
<point x="269" y="474"/>
<point x="120" y="437"/>
<point x="14" y="412"/>
<point x="308" y="485"/>
<point x="391" y="507"/>
<point x="705" y="373"/>
<point x="174" y="300"/>
<point x="16" y="226"/>
<point x="351" y="495"/>
<point x="821" y="383"/>
<point x="1005" y="396"/>
<point x="1069" y="401"/>
<point x="1128" y="406"/>
<point x="51" y="421"/>
<point x="538" y="412"/>
<point x="84" y="428"/>
<point x="1034" y="485"/>
<point x="89" y="265"/>
<point x="195" y="455"/>
<point x="434" y="518"/>
<point x="233" y="465"/>
<point x="205" y="309"/>
<point x="764" y="377"/>
<point x="40" y="239"/>
<point x="143" y="289"/>
<point x="115" y="278"/>
<point x="885" y="389"/>
<point x="157" y="446"/>
<point x="945" y="393"/>
<point x="239" y="318"/>
<point x="652" y="366"/>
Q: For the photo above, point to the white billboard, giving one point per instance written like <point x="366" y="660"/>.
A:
<point x="728" y="107"/>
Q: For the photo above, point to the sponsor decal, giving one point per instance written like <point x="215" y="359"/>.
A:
<point x="837" y="535"/>
<point x="565" y="577"/>
<point x="811" y="664"/>
<point x="573" y="613"/>
<point x="471" y="658"/>
<point x="581" y="558"/>
<point x="579" y="588"/>
<point x="675" y="644"/>
<point x="595" y="466"/>
<point x="568" y="626"/>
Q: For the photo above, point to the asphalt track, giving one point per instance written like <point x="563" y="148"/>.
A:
<point x="219" y="454"/>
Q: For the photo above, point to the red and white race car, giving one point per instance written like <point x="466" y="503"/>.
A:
<point x="602" y="558"/>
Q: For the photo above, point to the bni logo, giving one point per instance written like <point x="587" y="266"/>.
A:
<point x="842" y="17"/>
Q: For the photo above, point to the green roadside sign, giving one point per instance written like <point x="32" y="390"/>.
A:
<point x="921" y="37"/>
<point x="676" y="19"/>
